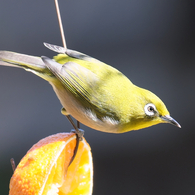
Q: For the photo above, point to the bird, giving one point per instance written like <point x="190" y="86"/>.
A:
<point x="94" y="93"/>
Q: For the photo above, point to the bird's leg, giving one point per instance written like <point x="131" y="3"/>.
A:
<point x="75" y="149"/>
<point x="76" y="130"/>
<point x="78" y="124"/>
<point x="79" y="133"/>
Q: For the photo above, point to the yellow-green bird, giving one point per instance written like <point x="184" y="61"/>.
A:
<point x="94" y="93"/>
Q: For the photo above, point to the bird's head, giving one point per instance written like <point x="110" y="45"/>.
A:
<point x="149" y="110"/>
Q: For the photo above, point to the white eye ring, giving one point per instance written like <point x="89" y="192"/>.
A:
<point x="150" y="109"/>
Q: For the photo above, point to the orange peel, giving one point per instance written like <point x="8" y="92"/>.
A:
<point x="45" y="169"/>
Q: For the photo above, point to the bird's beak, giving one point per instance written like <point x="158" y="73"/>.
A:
<point x="170" y="120"/>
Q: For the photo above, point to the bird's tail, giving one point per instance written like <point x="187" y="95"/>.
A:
<point x="29" y="63"/>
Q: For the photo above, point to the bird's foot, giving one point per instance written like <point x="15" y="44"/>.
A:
<point x="79" y="133"/>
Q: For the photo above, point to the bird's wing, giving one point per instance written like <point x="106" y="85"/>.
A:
<point x="77" y="79"/>
<point x="55" y="48"/>
<point x="70" y="53"/>
<point x="81" y="82"/>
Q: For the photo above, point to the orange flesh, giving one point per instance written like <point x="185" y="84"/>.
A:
<point x="45" y="169"/>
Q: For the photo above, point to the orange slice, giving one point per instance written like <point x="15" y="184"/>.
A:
<point x="45" y="169"/>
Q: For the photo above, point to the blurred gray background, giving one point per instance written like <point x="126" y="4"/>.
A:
<point x="151" y="42"/>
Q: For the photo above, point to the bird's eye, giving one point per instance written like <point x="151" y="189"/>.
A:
<point x="150" y="109"/>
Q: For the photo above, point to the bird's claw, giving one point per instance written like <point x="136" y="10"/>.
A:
<point x="79" y="133"/>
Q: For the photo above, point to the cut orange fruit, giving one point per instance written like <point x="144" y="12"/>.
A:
<point x="45" y="169"/>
